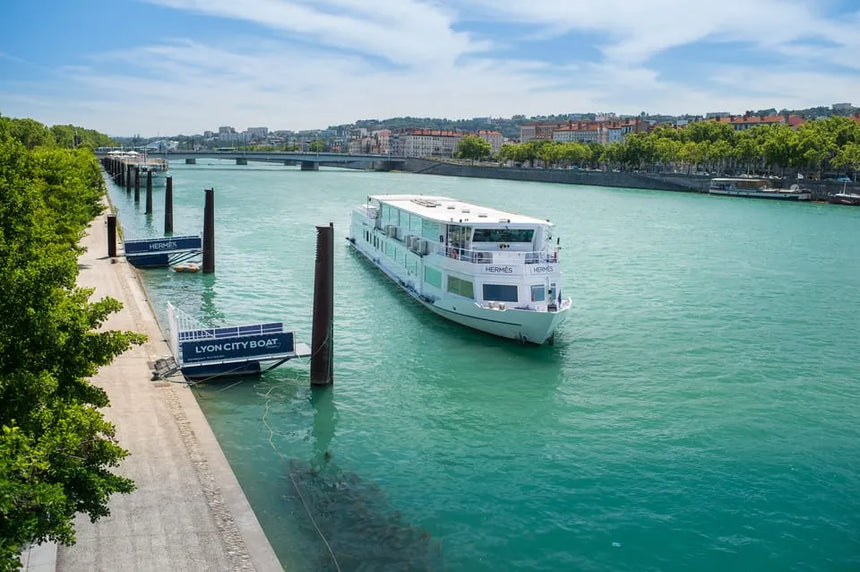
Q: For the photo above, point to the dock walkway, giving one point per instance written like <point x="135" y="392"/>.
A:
<point x="188" y="511"/>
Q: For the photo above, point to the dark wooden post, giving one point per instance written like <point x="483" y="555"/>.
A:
<point x="111" y="222"/>
<point x="168" y="207"/>
<point x="323" y="327"/>
<point x="128" y="178"/>
<point x="209" y="232"/>
<point x="137" y="184"/>
<point x="148" y="192"/>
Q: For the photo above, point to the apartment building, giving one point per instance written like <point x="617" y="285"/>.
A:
<point x="748" y="121"/>
<point x="494" y="138"/>
<point x="425" y="143"/>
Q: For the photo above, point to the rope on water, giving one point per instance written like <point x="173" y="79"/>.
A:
<point x="292" y="480"/>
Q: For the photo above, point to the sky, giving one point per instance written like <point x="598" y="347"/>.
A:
<point x="169" y="67"/>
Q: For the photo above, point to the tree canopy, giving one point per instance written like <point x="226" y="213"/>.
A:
<point x="473" y="147"/>
<point x="56" y="449"/>
<point x="815" y="147"/>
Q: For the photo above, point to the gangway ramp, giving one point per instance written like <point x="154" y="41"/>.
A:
<point x="204" y="352"/>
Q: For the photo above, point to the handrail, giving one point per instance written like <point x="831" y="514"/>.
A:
<point x="496" y="256"/>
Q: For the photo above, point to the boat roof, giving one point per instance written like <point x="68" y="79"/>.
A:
<point x="446" y="210"/>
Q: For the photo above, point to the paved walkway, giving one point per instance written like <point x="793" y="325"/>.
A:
<point x="188" y="512"/>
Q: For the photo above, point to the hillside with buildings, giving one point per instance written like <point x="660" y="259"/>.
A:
<point x="438" y="138"/>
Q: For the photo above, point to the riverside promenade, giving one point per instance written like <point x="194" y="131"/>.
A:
<point x="188" y="511"/>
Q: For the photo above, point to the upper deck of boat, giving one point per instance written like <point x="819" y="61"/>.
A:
<point x="446" y="210"/>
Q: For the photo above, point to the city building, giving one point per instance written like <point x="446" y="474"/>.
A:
<point x="582" y="132"/>
<point x="257" y="133"/>
<point x="748" y="121"/>
<point x="541" y="129"/>
<point x="494" y="138"/>
<point x="425" y="143"/>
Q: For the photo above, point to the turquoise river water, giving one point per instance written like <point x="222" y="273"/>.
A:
<point x="700" y="408"/>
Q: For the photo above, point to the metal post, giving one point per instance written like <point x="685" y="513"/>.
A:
<point x="168" y="207"/>
<point x="111" y="237"/>
<point x="148" y="193"/>
<point x="136" y="184"/>
<point x="323" y="327"/>
<point x="209" y="232"/>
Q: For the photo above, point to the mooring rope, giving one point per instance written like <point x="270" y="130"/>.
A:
<point x="292" y="480"/>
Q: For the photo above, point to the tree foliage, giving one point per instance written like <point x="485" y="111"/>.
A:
<point x="473" y="147"/>
<point x="814" y="147"/>
<point x="56" y="449"/>
<point x="32" y="134"/>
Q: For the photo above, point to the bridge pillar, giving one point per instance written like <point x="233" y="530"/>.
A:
<point x="310" y="166"/>
<point x="191" y="161"/>
<point x="241" y="161"/>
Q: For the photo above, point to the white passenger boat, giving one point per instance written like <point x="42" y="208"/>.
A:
<point x="490" y="270"/>
<point x="756" y="189"/>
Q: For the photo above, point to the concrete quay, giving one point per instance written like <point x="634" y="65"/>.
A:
<point x="188" y="511"/>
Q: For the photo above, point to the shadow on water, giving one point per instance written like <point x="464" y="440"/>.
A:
<point x="354" y="517"/>
<point x="339" y="521"/>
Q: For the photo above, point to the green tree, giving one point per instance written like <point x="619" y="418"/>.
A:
<point x="316" y="146"/>
<point x="473" y="147"/>
<point x="56" y="449"/>
<point x="848" y="158"/>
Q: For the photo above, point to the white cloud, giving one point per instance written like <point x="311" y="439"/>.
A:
<point x="315" y="64"/>
<point x="634" y="31"/>
<point x="400" y="31"/>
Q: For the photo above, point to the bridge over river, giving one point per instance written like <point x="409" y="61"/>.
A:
<point x="308" y="161"/>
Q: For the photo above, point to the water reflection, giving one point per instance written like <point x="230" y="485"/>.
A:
<point x="325" y="416"/>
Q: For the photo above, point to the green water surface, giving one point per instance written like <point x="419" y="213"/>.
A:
<point x="699" y="409"/>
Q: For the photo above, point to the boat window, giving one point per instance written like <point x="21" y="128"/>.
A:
<point x="500" y="292"/>
<point x="461" y="287"/>
<point x="503" y="235"/>
<point x="415" y="224"/>
<point x="538" y="293"/>
<point x="430" y="230"/>
<point x="390" y="215"/>
<point x="432" y="277"/>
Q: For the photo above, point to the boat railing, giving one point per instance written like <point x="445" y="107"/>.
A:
<point x="496" y="256"/>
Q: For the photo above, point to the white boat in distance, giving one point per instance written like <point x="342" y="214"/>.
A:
<point x="157" y="165"/>
<point x="756" y="189"/>
<point x="483" y="268"/>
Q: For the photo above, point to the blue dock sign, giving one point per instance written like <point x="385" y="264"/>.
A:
<point x="162" y="245"/>
<point x="237" y="348"/>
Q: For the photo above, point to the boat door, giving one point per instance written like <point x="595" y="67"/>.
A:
<point x="460" y="239"/>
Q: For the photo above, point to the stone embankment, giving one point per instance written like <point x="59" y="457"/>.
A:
<point x="626" y="179"/>
<point x="188" y="511"/>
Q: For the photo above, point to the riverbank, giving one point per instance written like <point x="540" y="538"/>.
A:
<point x="188" y="511"/>
<point x="630" y="180"/>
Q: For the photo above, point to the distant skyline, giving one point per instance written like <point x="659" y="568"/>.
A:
<point x="168" y="67"/>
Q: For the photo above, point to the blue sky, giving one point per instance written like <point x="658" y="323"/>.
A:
<point x="165" y="67"/>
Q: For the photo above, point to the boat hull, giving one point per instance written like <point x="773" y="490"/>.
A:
<point x="839" y="199"/>
<point x="773" y="195"/>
